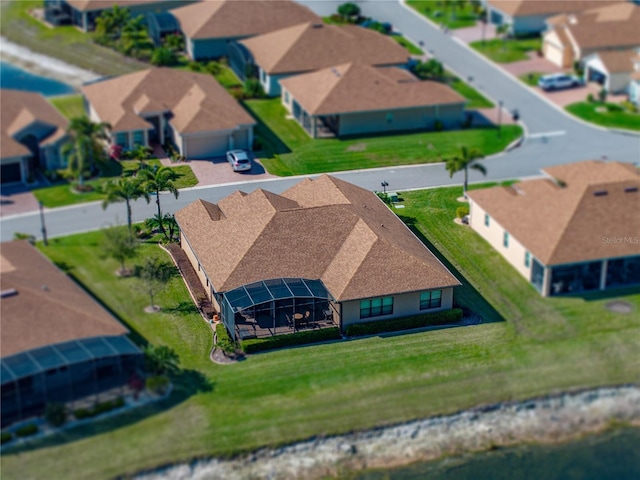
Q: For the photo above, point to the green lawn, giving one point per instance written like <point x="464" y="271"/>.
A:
<point x="65" y="43"/>
<point x="445" y="13"/>
<point x="531" y="78"/>
<point x="61" y="194"/>
<point x="71" y="106"/>
<point x="511" y="50"/>
<point x="290" y="151"/>
<point x="475" y="98"/>
<point x="609" y="115"/>
<point x="411" y="47"/>
<point x="544" y="346"/>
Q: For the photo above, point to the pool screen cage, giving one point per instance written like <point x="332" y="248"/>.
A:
<point x="276" y="306"/>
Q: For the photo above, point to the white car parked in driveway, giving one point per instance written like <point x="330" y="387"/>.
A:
<point x="239" y="160"/>
<point x="557" y="81"/>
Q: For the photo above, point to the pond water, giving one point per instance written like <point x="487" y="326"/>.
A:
<point x="14" y="77"/>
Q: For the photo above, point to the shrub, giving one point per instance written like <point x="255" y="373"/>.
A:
<point x="157" y="384"/>
<point x="438" y="126"/>
<point x="462" y="211"/>
<point x="27" y="430"/>
<point x="602" y="95"/>
<point x="195" y="66"/>
<point x="224" y="341"/>
<point x="257" y="144"/>
<point x="6" y="437"/>
<point x="348" y="9"/>
<point x="406" y="323"/>
<point x="213" y="68"/>
<point x="98" y="408"/>
<point x="614" y="107"/>
<point x="56" y="414"/>
<point x="82" y="413"/>
<point x="302" y="338"/>
<point x="25" y="236"/>
<point x="253" y="88"/>
<point x="591" y="98"/>
<point x="629" y="106"/>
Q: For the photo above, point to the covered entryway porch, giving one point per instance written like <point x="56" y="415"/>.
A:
<point x="276" y="307"/>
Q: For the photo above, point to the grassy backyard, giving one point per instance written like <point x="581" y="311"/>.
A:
<point x="62" y="194"/>
<point x="288" y="150"/>
<point x="449" y="13"/>
<point x="71" y="106"/>
<point x="65" y="43"/>
<point x="544" y="346"/>
<point x="511" y="50"/>
<point x="609" y="115"/>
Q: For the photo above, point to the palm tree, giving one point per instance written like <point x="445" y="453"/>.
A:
<point x="135" y="37"/>
<point x="124" y="190"/>
<point x="159" y="179"/>
<point x="466" y="159"/>
<point x="174" y="42"/>
<point x="110" y="23"/>
<point x="167" y="221"/>
<point x="160" y="359"/>
<point x="85" y="147"/>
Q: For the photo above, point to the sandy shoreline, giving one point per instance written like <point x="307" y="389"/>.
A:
<point x="542" y="420"/>
<point x="43" y="65"/>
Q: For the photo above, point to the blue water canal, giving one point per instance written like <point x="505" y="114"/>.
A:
<point x="15" y="78"/>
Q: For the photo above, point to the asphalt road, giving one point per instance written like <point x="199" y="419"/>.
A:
<point x="553" y="138"/>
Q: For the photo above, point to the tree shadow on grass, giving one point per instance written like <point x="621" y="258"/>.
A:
<point x="465" y="296"/>
<point x="186" y="383"/>
<point x="186" y="307"/>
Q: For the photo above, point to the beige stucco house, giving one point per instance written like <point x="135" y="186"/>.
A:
<point x="576" y="231"/>
<point x="32" y="135"/>
<point x="573" y="37"/>
<point x="313" y="46"/>
<point x="614" y="69"/>
<point x="209" y="27"/>
<point x="355" y="98"/>
<point x="161" y="105"/>
<point x="323" y="252"/>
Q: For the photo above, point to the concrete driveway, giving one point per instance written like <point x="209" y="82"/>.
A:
<point x="217" y="171"/>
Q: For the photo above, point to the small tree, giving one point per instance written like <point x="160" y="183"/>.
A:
<point x="154" y="274"/>
<point x="160" y="179"/>
<point x="119" y="244"/>
<point x="432" y="69"/>
<point x="124" y="190"/>
<point x="602" y="95"/>
<point x="463" y="162"/>
<point x="167" y="222"/>
<point x="349" y="10"/>
<point x="161" y="359"/>
<point x="503" y="31"/>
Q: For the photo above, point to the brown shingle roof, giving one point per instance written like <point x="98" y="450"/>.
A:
<point x="616" y="25"/>
<point x="355" y="87"/>
<point x="197" y="101"/>
<point x="522" y="8"/>
<point x="21" y="109"/>
<point x="240" y="18"/>
<point x="312" y="46"/>
<point x="566" y="222"/>
<point x="618" y="61"/>
<point x="49" y="307"/>
<point x="323" y="229"/>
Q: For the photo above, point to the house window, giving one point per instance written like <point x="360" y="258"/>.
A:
<point x="263" y="76"/>
<point x="375" y="307"/>
<point x="286" y="97"/>
<point x="431" y="299"/>
<point x="505" y="240"/>
<point x="487" y="219"/>
<point x="138" y="137"/>
<point x="122" y="139"/>
<point x="527" y="259"/>
<point x="389" y="117"/>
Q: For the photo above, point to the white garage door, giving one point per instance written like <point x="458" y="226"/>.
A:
<point x="206" y="147"/>
<point x="553" y="54"/>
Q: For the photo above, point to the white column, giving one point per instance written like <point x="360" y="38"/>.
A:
<point x="603" y="274"/>
<point x="250" y="137"/>
<point x="546" y="281"/>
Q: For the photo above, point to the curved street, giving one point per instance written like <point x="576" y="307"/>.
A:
<point x="552" y="137"/>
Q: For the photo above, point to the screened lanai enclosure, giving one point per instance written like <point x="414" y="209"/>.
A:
<point x="65" y="372"/>
<point x="277" y="306"/>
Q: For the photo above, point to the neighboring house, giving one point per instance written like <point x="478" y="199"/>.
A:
<point x="576" y="231"/>
<point x="161" y="105"/>
<point x="325" y="251"/>
<point x="355" y="98"/>
<point x="313" y="46"/>
<point x="58" y="343"/>
<point x="209" y="27"/>
<point x="83" y="13"/>
<point x="527" y="17"/>
<point x="572" y="37"/>
<point x="634" y="85"/>
<point x="613" y="69"/>
<point x="32" y="135"/>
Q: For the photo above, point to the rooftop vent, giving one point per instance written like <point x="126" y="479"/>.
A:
<point x="317" y="25"/>
<point x="573" y="20"/>
<point x="335" y="72"/>
<point x="10" y="292"/>
<point x="631" y="189"/>
<point x="600" y="193"/>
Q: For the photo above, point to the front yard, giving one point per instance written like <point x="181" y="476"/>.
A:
<point x="609" y="115"/>
<point x="507" y="51"/>
<point x="288" y="150"/>
<point x="448" y="13"/>
<point x="542" y="346"/>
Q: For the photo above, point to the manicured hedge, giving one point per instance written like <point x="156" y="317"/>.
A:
<point x="406" y="323"/>
<point x="311" y="336"/>
<point x="99" y="408"/>
<point x="6" y="437"/>
<point x="27" y="430"/>
<point x="224" y="341"/>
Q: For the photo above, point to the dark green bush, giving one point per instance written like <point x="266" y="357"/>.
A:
<point x="27" y="430"/>
<point x="224" y="341"/>
<point x="406" y="323"/>
<point x="462" y="211"/>
<point x="98" y="408"/>
<point x="56" y="414"/>
<point x="438" y="126"/>
<point x="6" y="437"/>
<point x="279" y="341"/>
<point x="82" y="413"/>
<point x="157" y="384"/>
